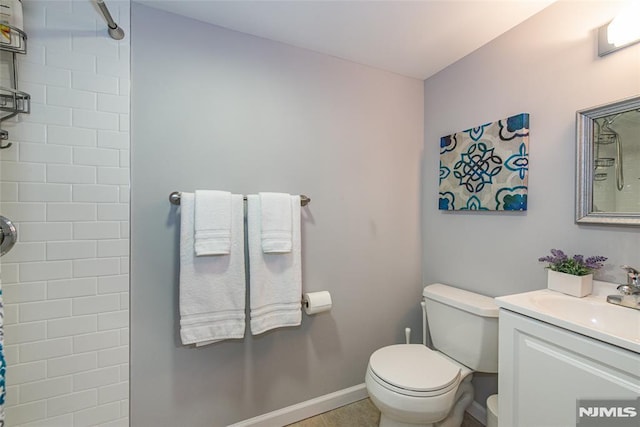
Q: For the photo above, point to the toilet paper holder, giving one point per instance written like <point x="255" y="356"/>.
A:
<point x="316" y="302"/>
<point x="304" y="301"/>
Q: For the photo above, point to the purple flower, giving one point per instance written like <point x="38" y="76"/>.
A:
<point x="576" y="265"/>
<point x="556" y="257"/>
<point x="595" y="262"/>
<point x="560" y="256"/>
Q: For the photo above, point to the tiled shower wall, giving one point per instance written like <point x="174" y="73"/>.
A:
<point x="607" y="196"/>
<point x="65" y="183"/>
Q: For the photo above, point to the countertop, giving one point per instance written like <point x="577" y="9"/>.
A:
<point x="591" y="316"/>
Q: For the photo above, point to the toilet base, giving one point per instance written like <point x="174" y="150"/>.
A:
<point x="388" y="422"/>
<point x="463" y="398"/>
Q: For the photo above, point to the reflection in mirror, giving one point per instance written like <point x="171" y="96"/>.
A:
<point x="616" y="147"/>
<point x="608" y="146"/>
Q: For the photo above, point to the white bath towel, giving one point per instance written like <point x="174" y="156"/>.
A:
<point x="275" y="288"/>
<point x="276" y="222"/>
<point x="212" y="289"/>
<point x="212" y="222"/>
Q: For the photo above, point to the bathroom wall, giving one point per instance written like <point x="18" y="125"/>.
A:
<point x="547" y="66"/>
<point x="65" y="183"/>
<point x="213" y="108"/>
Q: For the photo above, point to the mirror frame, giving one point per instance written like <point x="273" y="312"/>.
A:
<point x="584" y="170"/>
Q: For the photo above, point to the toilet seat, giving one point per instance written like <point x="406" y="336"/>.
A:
<point x="413" y="370"/>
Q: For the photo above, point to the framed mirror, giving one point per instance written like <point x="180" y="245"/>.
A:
<point x="608" y="163"/>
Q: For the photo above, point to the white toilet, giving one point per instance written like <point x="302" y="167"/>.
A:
<point x="413" y="385"/>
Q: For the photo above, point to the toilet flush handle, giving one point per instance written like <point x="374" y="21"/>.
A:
<point x="424" y="322"/>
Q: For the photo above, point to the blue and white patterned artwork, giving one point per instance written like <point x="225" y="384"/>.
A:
<point x="486" y="168"/>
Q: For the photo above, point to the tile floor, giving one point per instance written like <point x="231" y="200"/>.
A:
<point x="359" y="414"/>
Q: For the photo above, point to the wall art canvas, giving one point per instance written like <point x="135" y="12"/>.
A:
<point x="485" y="168"/>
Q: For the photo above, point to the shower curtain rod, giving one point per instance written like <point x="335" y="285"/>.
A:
<point x="115" y="32"/>
<point x="174" y="198"/>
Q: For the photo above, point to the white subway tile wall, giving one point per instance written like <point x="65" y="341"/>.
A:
<point x="65" y="183"/>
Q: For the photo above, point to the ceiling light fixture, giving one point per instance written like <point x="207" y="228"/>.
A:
<point x="622" y="31"/>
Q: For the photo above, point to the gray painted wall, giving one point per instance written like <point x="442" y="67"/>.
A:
<point x="548" y="67"/>
<point x="212" y="108"/>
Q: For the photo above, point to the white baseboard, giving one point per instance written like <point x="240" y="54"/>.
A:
<point x="478" y="412"/>
<point x="309" y="408"/>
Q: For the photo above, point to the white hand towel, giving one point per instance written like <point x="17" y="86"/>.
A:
<point x="213" y="222"/>
<point x="212" y="289"/>
<point x="276" y="222"/>
<point x="275" y="279"/>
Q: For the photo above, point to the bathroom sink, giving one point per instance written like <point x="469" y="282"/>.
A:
<point x="593" y="313"/>
<point x="591" y="316"/>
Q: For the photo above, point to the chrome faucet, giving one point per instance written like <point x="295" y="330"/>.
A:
<point x="630" y="291"/>
<point x="633" y="285"/>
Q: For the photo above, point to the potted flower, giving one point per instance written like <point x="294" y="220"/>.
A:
<point x="571" y="275"/>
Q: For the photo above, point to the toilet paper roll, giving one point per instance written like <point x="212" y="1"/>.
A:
<point x="316" y="302"/>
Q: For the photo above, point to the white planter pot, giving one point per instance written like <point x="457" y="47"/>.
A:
<point x="577" y="286"/>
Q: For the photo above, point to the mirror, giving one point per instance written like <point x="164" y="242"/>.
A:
<point x="608" y="163"/>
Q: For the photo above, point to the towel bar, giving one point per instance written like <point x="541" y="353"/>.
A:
<point x="174" y="198"/>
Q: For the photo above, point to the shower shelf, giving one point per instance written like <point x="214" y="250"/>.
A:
<point x="12" y="100"/>
<point x="604" y="162"/>
<point x="18" y="41"/>
<point x="606" y="139"/>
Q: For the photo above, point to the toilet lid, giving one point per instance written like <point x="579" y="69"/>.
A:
<point x="413" y="367"/>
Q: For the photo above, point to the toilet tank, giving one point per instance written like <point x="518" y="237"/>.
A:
<point x="463" y="325"/>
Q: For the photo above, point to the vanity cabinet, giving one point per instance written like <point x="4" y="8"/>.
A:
<point x="545" y="369"/>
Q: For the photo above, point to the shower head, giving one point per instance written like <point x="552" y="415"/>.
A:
<point x="114" y="30"/>
<point x="607" y="121"/>
<point x="606" y="135"/>
<point x="116" y="33"/>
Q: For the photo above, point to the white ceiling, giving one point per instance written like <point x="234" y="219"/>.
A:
<point x="412" y="38"/>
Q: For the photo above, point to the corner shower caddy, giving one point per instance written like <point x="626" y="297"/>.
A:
<point x="13" y="101"/>
<point x="607" y="136"/>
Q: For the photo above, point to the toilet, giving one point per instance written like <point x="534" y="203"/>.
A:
<point x="415" y="386"/>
